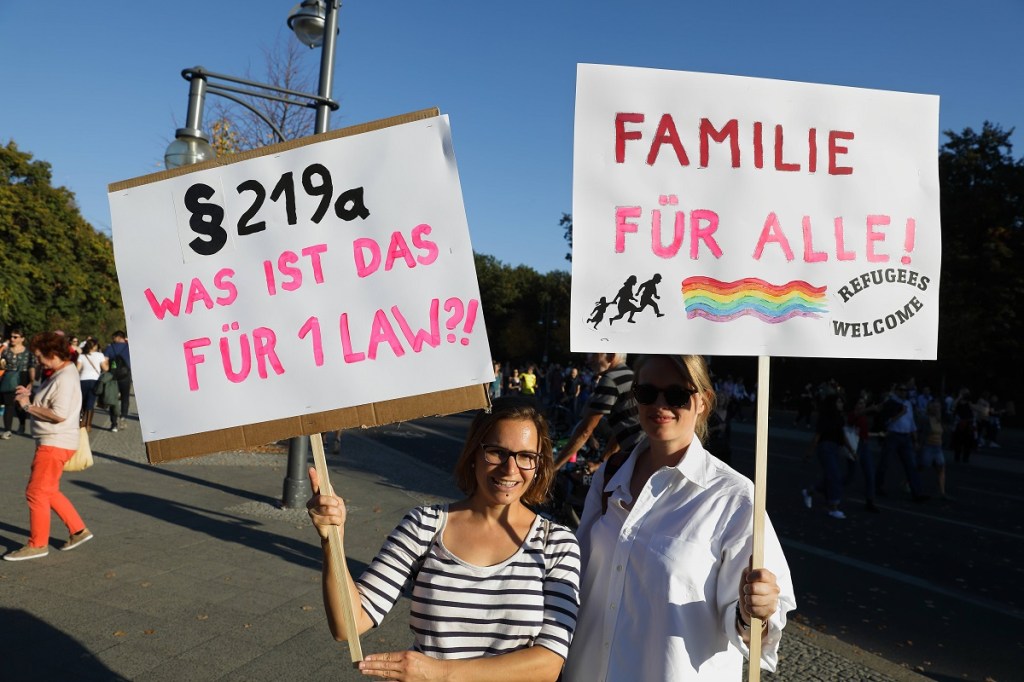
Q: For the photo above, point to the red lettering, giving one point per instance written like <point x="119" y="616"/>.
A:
<point x="621" y="135"/>
<point x="835" y="149"/>
<point x="730" y="131"/>
<point x="779" y="163"/>
<point x="667" y="133"/>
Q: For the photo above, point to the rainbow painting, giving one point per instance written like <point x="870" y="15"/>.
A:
<point x="719" y="301"/>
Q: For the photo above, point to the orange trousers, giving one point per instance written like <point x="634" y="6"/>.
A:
<point x="43" y="494"/>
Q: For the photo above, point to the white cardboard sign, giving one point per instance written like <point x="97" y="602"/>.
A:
<point x="743" y="216"/>
<point x="334" y="274"/>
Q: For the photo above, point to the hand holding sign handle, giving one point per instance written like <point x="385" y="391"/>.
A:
<point x="334" y="552"/>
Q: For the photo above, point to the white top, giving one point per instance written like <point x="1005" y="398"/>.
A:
<point x="62" y="393"/>
<point x="460" y="610"/>
<point x="661" y="582"/>
<point x="90" y="366"/>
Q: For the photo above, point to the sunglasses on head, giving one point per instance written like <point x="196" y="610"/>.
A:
<point x="675" y="395"/>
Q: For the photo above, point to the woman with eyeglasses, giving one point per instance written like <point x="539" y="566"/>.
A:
<point x="494" y="586"/>
<point x="666" y="539"/>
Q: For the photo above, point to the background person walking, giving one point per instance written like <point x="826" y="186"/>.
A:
<point x="121" y="367"/>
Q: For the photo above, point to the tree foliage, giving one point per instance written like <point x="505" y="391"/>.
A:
<point x="566" y="224"/>
<point x="527" y="313"/>
<point x="981" y="325"/>
<point x="58" y="272"/>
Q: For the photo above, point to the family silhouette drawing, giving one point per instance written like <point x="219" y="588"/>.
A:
<point x="627" y="302"/>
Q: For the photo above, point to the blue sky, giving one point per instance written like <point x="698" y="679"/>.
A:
<point x="95" y="89"/>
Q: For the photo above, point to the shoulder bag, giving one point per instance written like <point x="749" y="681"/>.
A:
<point x="82" y="459"/>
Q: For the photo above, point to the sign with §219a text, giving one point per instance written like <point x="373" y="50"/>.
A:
<point x="328" y="275"/>
<point x="743" y="216"/>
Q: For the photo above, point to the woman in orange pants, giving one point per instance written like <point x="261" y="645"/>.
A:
<point x="54" y="410"/>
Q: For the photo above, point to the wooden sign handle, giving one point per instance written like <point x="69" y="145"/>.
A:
<point x="336" y="554"/>
<point x="760" y="484"/>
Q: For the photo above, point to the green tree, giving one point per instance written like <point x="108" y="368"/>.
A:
<point x="527" y="313"/>
<point x="982" y="189"/>
<point x="566" y="224"/>
<point x="58" y="272"/>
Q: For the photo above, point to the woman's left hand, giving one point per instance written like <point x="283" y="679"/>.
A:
<point x="759" y="594"/>
<point x="403" y="666"/>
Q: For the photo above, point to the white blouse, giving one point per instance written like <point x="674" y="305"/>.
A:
<point x="661" y="581"/>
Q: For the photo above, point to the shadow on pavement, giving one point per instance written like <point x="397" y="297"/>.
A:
<point x="218" y="525"/>
<point x="57" y="656"/>
<point x="153" y="469"/>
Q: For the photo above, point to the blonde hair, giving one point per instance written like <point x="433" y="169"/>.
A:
<point x="695" y="372"/>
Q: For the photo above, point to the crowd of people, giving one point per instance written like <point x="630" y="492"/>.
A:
<point x="104" y="377"/>
<point x="871" y="432"/>
<point x="51" y="381"/>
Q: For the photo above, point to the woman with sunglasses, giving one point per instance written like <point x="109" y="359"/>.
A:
<point x="666" y="538"/>
<point x="494" y="587"/>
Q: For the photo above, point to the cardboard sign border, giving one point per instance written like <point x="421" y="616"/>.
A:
<point x="363" y="416"/>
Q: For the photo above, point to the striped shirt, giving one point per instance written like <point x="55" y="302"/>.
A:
<point x="613" y="396"/>
<point x="464" y="611"/>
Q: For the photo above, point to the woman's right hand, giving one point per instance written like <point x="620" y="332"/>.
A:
<point x="324" y="510"/>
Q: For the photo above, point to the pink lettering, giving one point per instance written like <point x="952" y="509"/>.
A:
<point x="359" y="248"/>
<point x="873" y="236"/>
<point x="810" y="255"/>
<point x="677" y="237"/>
<point x="196" y="293"/>
<point x="167" y="305"/>
<point x="313" y="253"/>
<point x="222" y="281"/>
<point x="426" y="245"/>
<point x="431" y="337"/>
<point x="622" y="226"/>
<point x="346" y="342"/>
<point x="192" y="359"/>
<point x="312" y="325"/>
<point x="841" y="252"/>
<point x="264" y="339"/>
<point x="285" y="263"/>
<point x="703" y="234"/>
<point x="398" y="249"/>
<point x="772" y="232"/>
<point x="383" y="332"/>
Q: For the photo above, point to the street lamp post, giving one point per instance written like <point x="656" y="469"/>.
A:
<point x="315" y="24"/>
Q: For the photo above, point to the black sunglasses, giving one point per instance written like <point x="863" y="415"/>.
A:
<point x="675" y="395"/>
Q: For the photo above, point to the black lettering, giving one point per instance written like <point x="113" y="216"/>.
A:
<point x="206" y="220"/>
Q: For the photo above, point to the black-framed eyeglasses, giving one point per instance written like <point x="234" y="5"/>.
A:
<point x="675" y="395"/>
<point x="495" y="454"/>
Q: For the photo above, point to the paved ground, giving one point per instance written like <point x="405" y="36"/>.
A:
<point x="195" y="574"/>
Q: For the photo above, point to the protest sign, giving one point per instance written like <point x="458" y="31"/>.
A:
<point x="301" y="287"/>
<point x="743" y="216"/>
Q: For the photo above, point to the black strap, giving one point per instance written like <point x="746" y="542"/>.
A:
<point x="610" y="468"/>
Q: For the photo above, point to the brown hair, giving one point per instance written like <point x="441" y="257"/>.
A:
<point x="508" y="408"/>
<point x="49" y="344"/>
<point x="695" y="372"/>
